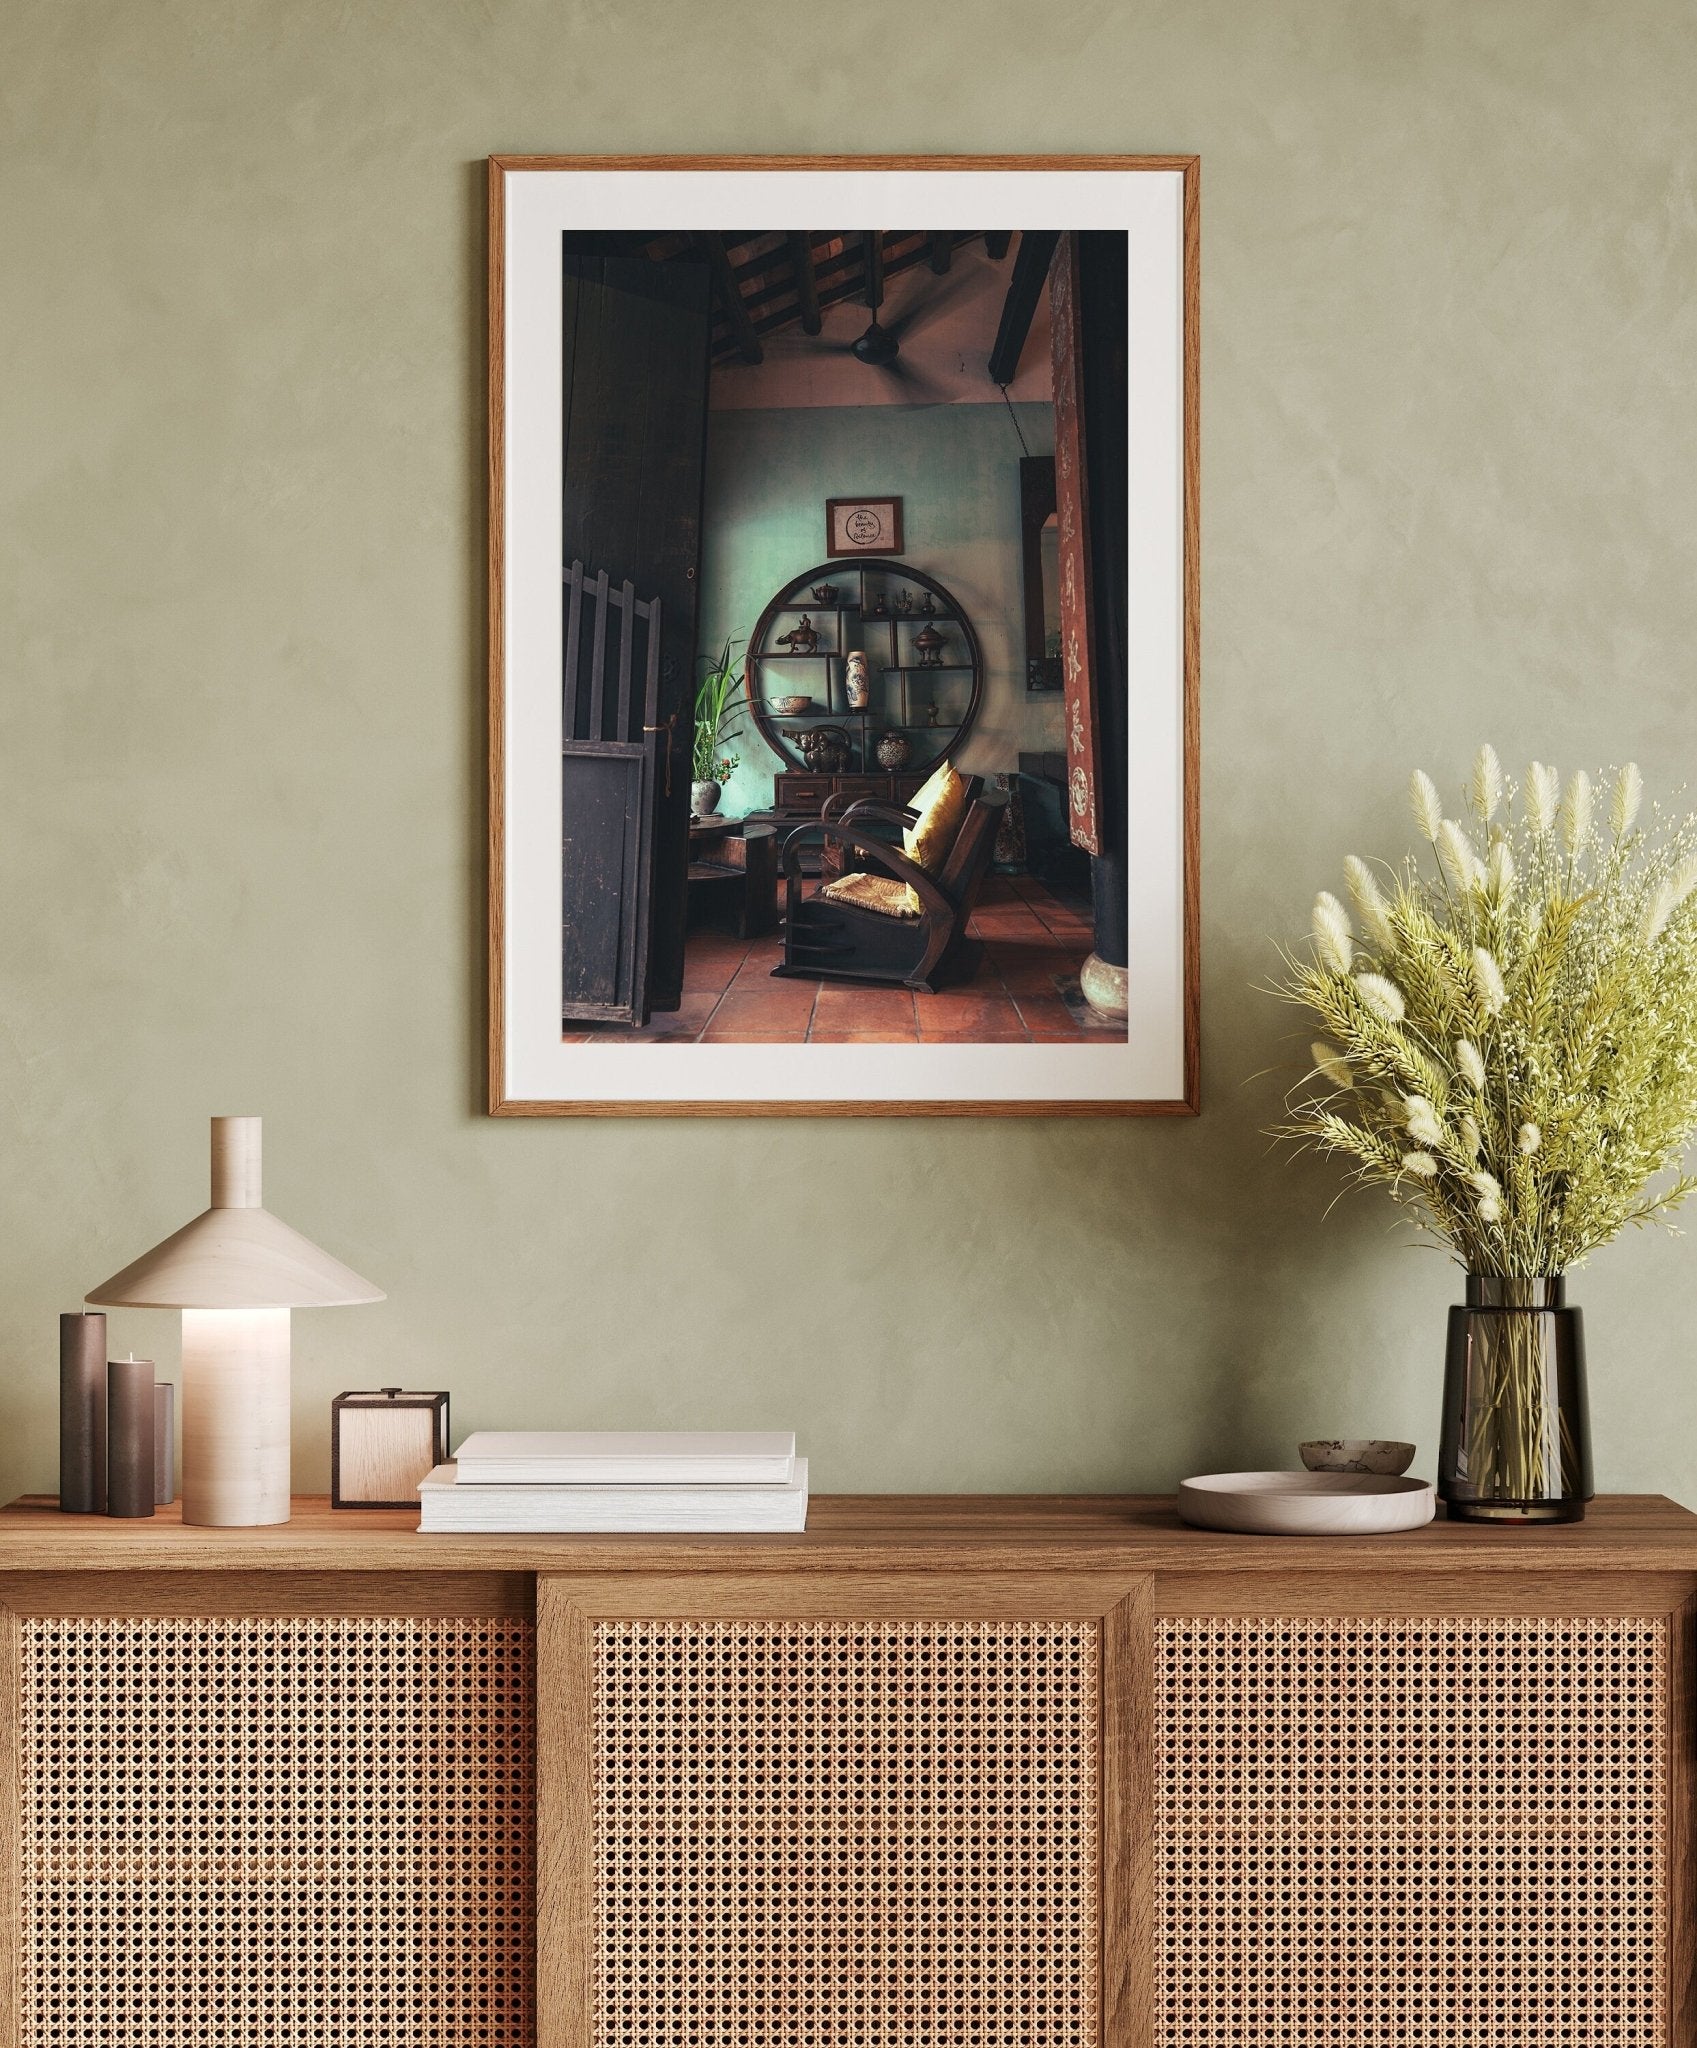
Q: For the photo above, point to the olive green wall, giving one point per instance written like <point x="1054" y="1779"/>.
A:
<point x="1449" y="486"/>
<point x="955" y="469"/>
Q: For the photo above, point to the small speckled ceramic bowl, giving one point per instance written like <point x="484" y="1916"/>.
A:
<point x="1357" y="1454"/>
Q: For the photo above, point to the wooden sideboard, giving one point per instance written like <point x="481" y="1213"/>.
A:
<point x="943" y="1773"/>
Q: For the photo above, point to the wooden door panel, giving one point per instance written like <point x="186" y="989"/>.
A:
<point x="636" y="354"/>
<point x="602" y="812"/>
<point x="222" y="1828"/>
<point x="607" y="790"/>
<point x="854" y="1810"/>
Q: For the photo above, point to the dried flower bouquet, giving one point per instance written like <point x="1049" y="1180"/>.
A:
<point x="1511" y="1030"/>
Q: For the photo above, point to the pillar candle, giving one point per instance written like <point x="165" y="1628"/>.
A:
<point x="129" y="1436"/>
<point x="82" y="1414"/>
<point x="164" y="1444"/>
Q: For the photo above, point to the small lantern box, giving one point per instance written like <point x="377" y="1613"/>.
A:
<point x="382" y="1444"/>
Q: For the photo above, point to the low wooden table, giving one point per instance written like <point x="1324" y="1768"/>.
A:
<point x="733" y="874"/>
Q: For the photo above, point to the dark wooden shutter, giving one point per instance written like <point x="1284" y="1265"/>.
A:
<point x="607" y="792"/>
<point x="635" y="366"/>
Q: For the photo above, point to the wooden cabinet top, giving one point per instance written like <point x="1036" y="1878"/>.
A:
<point x="857" y="1532"/>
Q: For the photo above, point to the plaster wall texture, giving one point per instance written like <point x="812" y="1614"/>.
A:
<point x="1449" y="482"/>
<point x="955" y="469"/>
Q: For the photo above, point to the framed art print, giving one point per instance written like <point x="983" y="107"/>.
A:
<point x="777" y="824"/>
<point x="863" y="526"/>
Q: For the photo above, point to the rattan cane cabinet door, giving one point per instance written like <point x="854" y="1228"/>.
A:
<point x="838" y="1829"/>
<point x="1444" y="1832"/>
<point x="275" y="1832"/>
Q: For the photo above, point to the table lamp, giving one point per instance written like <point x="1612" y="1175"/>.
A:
<point x="235" y="1272"/>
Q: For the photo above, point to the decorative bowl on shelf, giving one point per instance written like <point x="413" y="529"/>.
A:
<point x="1357" y="1454"/>
<point x="791" y="707"/>
<point x="1306" y="1503"/>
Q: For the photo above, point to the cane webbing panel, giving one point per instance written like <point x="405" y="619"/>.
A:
<point x="1440" y="1833"/>
<point x="816" y="1834"/>
<point x="277" y="1833"/>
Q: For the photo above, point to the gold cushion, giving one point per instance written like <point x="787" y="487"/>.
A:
<point x="882" y="893"/>
<point x="941" y="804"/>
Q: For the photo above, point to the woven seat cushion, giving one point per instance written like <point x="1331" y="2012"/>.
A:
<point x="882" y="893"/>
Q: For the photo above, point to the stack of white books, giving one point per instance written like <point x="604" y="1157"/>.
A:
<point x="590" y="1482"/>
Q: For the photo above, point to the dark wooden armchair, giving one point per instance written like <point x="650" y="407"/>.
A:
<point x="851" y="942"/>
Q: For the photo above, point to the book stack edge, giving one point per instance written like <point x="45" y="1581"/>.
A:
<point x="579" y="1482"/>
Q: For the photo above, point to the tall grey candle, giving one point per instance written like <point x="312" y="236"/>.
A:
<point x="164" y="1444"/>
<point x="82" y="1414"/>
<point x="129" y="1436"/>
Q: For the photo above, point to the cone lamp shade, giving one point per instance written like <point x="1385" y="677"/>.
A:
<point x="235" y="1272"/>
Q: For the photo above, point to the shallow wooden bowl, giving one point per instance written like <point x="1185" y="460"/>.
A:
<point x="1306" y="1503"/>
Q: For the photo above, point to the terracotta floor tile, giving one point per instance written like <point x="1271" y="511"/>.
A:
<point x="1008" y="927"/>
<point x="687" y="1019"/>
<point x="715" y="972"/>
<point x="1031" y="967"/>
<point x="1049" y="1017"/>
<point x="756" y="972"/>
<point x="736" y="1035"/>
<point x="669" y="1027"/>
<point x="986" y="972"/>
<point x="778" y="1009"/>
<point x="842" y="1007"/>
<point x="987" y="1035"/>
<point x="968" y="1014"/>
<point x="908" y="1037"/>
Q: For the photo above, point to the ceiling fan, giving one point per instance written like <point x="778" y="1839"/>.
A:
<point x="879" y="347"/>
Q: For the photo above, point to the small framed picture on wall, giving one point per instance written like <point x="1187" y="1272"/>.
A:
<point x="863" y="526"/>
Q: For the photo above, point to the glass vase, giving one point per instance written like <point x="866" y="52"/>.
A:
<point x="1516" y="1444"/>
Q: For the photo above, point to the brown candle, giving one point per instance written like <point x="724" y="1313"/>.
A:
<point x="130" y="1410"/>
<point x="164" y="1444"/>
<point x="82" y="1414"/>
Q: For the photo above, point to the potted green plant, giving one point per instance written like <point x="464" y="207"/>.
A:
<point x="1511" y="1050"/>
<point x="714" y="720"/>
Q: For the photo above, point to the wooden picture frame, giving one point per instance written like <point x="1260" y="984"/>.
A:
<point x="863" y="526"/>
<point x="551" y="1051"/>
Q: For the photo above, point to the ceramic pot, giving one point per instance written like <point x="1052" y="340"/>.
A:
<point x="1516" y="1444"/>
<point x="894" y="751"/>
<point x="703" y="799"/>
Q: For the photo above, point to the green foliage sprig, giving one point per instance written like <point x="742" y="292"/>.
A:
<point x="713" y="721"/>
<point x="1511" y="1033"/>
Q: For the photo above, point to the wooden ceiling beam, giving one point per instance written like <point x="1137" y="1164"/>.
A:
<point x="1025" y="288"/>
<point x="726" y="291"/>
<point x="806" y="282"/>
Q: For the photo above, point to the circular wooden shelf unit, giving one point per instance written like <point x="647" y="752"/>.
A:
<point x="902" y="684"/>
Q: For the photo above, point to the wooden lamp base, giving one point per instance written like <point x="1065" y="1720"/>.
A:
<point x="235" y="1416"/>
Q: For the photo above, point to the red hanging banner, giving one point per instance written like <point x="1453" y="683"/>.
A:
<point x="1072" y="519"/>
